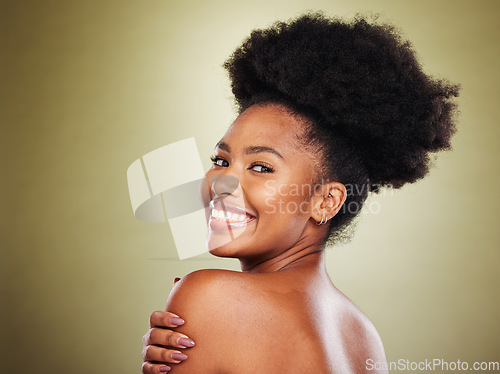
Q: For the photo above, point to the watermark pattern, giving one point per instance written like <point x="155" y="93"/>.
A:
<point x="278" y="202"/>
<point x="436" y="365"/>
<point x="160" y="191"/>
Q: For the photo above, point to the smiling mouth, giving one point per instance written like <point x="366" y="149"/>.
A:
<point x="225" y="217"/>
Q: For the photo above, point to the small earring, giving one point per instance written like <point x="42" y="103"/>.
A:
<point x="323" y="220"/>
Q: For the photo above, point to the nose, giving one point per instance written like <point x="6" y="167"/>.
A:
<point x="221" y="185"/>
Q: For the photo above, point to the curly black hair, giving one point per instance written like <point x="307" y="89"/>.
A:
<point x="373" y="114"/>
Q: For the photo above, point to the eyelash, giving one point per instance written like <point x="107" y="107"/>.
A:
<point x="264" y="165"/>
<point x="214" y="160"/>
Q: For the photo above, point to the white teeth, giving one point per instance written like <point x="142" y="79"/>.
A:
<point x="234" y="217"/>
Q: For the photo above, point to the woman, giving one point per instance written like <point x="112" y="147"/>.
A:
<point x="330" y="111"/>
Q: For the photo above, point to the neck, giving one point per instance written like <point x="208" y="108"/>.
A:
<point x="300" y="256"/>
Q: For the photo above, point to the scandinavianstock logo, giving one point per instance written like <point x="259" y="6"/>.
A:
<point x="193" y="203"/>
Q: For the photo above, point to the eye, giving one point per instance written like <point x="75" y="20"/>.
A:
<point x="261" y="168"/>
<point x="219" y="161"/>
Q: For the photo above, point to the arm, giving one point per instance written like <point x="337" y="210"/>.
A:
<point x="159" y="340"/>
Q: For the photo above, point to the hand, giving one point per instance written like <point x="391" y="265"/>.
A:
<point x="158" y="341"/>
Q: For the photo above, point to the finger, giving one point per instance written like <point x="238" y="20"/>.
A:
<point x="158" y="336"/>
<point x="162" y="355"/>
<point x="164" y="319"/>
<point x="151" y="368"/>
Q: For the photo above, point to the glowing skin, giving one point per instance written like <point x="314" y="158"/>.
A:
<point x="281" y="313"/>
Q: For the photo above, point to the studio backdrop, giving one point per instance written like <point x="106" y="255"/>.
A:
<point x="87" y="87"/>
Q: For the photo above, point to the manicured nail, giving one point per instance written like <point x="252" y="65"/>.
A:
<point x="176" y="321"/>
<point x="179" y="356"/>
<point x="185" y="342"/>
<point x="164" y="369"/>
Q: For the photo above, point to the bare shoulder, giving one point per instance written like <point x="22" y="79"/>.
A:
<point x="361" y="339"/>
<point x="217" y="307"/>
<point x="208" y="285"/>
<point x="249" y="315"/>
<point x="231" y="295"/>
<point x="205" y="278"/>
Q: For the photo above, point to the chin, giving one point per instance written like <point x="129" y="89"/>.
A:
<point x="235" y="248"/>
<point x="226" y="250"/>
<point x="226" y="243"/>
<point x="220" y="253"/>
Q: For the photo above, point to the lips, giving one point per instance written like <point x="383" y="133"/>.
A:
<point x="224" y="216"/>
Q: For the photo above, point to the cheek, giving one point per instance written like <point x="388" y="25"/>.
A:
<point x="285" y="203"/>
<point x="283" y="221"/>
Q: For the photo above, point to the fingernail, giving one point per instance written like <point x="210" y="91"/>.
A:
<point x="179" y="356"/>
<point x="176" y="280"/>
<point x="164" y="369"/>
<point x="176" y="321"/>
<point x="185" y="342"/>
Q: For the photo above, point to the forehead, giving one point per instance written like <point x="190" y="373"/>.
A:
<point x="268" y="125"/>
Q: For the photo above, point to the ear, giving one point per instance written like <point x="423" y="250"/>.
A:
<point x="327" y="201"/>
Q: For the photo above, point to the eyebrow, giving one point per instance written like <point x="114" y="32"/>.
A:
<point x="250" y="150"/>
<point x="223" y="146"/>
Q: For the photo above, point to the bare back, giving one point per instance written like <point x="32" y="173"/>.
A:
<point x="286" y="321"/>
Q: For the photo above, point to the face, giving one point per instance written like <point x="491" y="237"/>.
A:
<point x="268" y="211"/>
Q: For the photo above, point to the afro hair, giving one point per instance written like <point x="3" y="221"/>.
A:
<point x="374" y="115"/>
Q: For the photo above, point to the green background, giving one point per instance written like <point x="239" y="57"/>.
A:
<point x="89" y="86"/>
